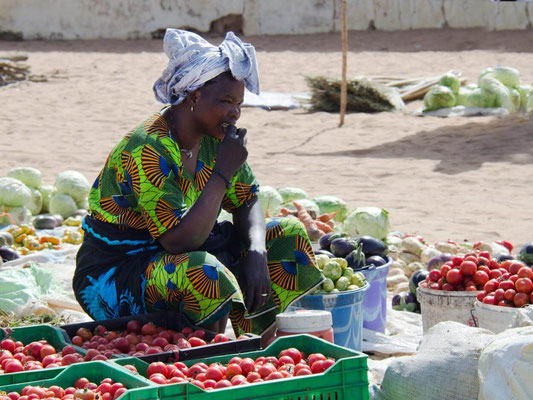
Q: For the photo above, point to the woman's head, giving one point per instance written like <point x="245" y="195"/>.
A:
<point x="193" y="62"/>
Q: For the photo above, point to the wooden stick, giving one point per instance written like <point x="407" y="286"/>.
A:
<point x="344" y="84"/>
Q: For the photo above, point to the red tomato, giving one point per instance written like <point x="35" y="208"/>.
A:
<point x="489" y="300"/>
<point x="503" y="303"/>
<point x="157" y="367"/>
<point x="444" y="269"/>
<point x="295" y="353"/>
<point x="448" y="287"/>
<point x="525" y="272"/>
<point x="232" y="370"/>
<point x="520" y="299"/>
<point x="495" y="273"/>
<point x="481" y="295"/>
<point x="491" y="286"/>
<point x="85" y="394"/>
<point x="523" y="285"/>
<point x="499" y="295"/>
<point x="481" y="277"/>
<point x="505" y="285"/>
<point x="223" y="383"/>
<point x="435" y="275"/>
<point x="253" y="376"/>
<point x="509" y="294"/>
<point x="456" y="260"/>
<point x="214" y="373"/>
<point x="515" y="266"/>
<point x="454" y="276"/>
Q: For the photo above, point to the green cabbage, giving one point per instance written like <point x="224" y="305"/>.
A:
<point x="328" y="285"/>
<point x="36" y="203"/>
<point x="46" y="192"/>
<point x="63" y="205"/>
<point x="342" y="283"/>
<point x="506" y="97"/>
<point x="524" y="91"/>
<point x="450" y="80"/>
<point x="480" y="98"/>
<point x="19" y="215"/>
<point x="462" y="94"/>
<point x="270" y="200"/>
<point x="74" y="184"/>
<point x="31" y="177"/>
<point x="332" y="270"/>
<point x="506" y="75"/>
<point x="329" y="204"/>
<point x="292" y="193"/>
<point x="439" y="97"/>
<point x="529" y="104"/>
<point x="13" y="193"/>
<point x="367" y="221"/>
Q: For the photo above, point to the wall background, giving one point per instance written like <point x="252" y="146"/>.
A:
<point x="141" y="19"/>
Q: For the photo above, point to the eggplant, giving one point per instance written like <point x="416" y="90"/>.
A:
<point x="500" y="257"/>
<point x="322" y="251"/>
<point x="6" y="239"/>
<point x="416" y="278"/>
<point x="437" y="261"/>
<point x="325" y="241"/>
<point x="45" y="222"/>
<point x="409" y="301"/>
<point x="396" y="304"/>
<point x="378" y="261"/>
<point x="372" y="246"/>
<point x="356" y="259"/>
<point x="343" y="246"/>
<point x="7" y="254"/>
<point x="526" y="253"/>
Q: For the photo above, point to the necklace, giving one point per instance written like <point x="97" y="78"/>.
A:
<point x="187" y="152"/>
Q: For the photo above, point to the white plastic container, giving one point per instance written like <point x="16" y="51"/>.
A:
<point x="438" y="306"/>
<point x="312" y="322"/>
<point x="494" y="318"/>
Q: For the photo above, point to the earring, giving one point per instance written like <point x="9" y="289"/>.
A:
<point x="192" y="108"/>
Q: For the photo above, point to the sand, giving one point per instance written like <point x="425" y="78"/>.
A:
<point x="459" y="178"/>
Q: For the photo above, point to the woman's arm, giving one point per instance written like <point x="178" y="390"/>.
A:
<point x="254" y="277"/>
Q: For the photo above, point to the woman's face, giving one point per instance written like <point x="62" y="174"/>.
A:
<point x="218" y="105"/>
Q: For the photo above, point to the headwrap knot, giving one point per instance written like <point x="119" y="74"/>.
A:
<point x="193" y="61"/>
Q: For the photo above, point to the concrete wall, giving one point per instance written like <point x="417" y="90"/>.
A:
<point x="131" y="19"/>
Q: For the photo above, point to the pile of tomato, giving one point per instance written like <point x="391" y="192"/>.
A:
<point x="290" y="363"/>
<point x="82" y="389"/>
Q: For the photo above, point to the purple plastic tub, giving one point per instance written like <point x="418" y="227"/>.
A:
<point x="375" y="302"/>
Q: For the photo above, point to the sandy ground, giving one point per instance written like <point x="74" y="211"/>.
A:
<point x="460" y="178"/>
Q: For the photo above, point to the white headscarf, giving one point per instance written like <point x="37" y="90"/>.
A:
<point x="193" y="61"/>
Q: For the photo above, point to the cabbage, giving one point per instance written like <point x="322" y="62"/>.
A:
<point x="29" y="176"/>
<point x="529" y="104"/>
<point x="450" y="80"/>
<point x="36" y="203"/>
<point x="506" y="75"/>
<point x="439" y="97"/>
<point x="342" y="283"/>
<point x="74" y="184"/>
<point x="332" y="270"/>
<point x="480" y="98"/>
<point x="329" y="204"/>
<point x="63" y="205"/>
<point x="507" y="98"/>
<point x="328" y="285"/>
<point x="524" y="91"/>
<point x="19" y="215"/>
<point x="367" y="221"/>
<point x="46" y="192"/>
<point x="270" y="200"/>
<point x="462" y="94"/>
<point x="13" y="193"/>
<point x="292" y="193"/>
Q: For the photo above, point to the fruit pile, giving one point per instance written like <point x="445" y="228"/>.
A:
<point x="339" y="276"/>
<point x="17" y="357"/>
<point x="140" y="339"/>
<point x="83" y="389"/>
<point x="512" y="289"/>
<point x="239" y="371"/>
<point x="466" y="273"/>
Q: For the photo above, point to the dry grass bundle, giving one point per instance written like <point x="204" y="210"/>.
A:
<point x="12" y="69"/>
<point x="364" y="95"/>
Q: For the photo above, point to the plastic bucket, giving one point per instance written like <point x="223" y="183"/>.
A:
<point x="346" y="312"/>
<point x="438" y="306"/>
<point x="495" y="318"/>
<point x="375" y="303"/>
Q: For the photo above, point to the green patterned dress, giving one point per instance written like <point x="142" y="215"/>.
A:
<point x="144" y="190"/>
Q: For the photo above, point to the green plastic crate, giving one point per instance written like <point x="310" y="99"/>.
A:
<point x="95" y="371"/>
<point x="347" y="379"/>
<point x="26" y="334"/>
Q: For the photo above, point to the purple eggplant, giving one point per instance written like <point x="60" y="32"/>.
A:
<point x="322" y="251"/>
<point x="7" y="254"/>
<point x="372" y="246"/>
<point x="325" y="241"/>
<point x="341" y="247"/>
<point x="377" y="261"/>
<point x="410" y="302"/>
<point x="396" y="303"/>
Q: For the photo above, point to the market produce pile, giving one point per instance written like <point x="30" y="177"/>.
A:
<point x="496" y="87"/>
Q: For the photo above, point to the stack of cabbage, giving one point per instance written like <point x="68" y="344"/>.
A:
<point x="22" y="194"/>
<point x="497" y="87"/>
<point x="339" y="277"/>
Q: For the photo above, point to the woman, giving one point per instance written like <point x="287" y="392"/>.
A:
<point x="151" y="240"/>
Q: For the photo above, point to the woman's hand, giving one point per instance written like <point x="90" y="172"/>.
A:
<point x="232" y="151"/>
<point x="254" y="279"/>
